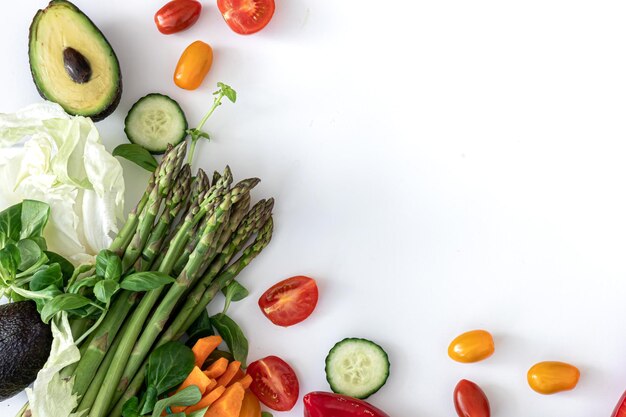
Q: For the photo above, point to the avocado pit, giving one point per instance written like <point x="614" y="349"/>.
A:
<point x="76" y="65"/>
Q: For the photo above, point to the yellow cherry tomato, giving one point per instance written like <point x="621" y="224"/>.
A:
<point x="552" y="377"/>
<point x="471" y="347"/>
<point x="193" y="65"/>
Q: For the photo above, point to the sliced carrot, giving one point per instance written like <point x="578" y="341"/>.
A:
<point x="245" y="381"/>
<point x="250" y="407"/>
<point x="230" y="373"/>
<point x="197" y="378"/>
<point x="238" y="376"/>
<point x="207" y="400"/>
<point x="203" y="348"/>
<point x="217" y="368"/>
<point x="229" y="404"/>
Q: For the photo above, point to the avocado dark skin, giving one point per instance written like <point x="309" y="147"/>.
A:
<point x="25" y="343"/>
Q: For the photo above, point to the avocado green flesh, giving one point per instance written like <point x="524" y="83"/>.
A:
<point x="60" y="26"/>
<point x="25" y="343"/>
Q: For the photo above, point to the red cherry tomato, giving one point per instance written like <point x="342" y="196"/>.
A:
<point x="620" y="408"/>
<point x="274" y="383"/>
<point x="470" y="400"/>
<point x="325" y="404"/>
<point x="290" y="301"/>
<point x="246" y="16"/>
<point x="177" y="15"/>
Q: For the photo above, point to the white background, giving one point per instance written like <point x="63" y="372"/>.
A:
<point x="438" y="166"/>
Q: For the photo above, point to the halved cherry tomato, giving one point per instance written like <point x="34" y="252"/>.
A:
<point x="193" y="65"/>
<point x="472" y="346"/>
<point x="274" y="383"/>
<point x="470" y="400"/>
<point x="620" y="408"/>
<point x="246" y="16"/>
<point x="326" y="404"/>
<point x="290" y="301"/>
<point x="177" y="15"/>
<point x="552" y="377"/>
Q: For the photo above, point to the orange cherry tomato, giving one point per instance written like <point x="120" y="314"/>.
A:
<point x="552" y="377"/>
<point x="472" y="346"/>
<point x="193" y="65"/>
<point x="251" y="406"/>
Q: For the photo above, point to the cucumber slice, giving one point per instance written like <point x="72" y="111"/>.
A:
<point x="357" y="367"/>
<point x="155" y="121"/>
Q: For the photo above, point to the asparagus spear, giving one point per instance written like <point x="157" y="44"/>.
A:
<point x="174" y="204"/>
<point x="262" y="240"/>
<point x="169" y="169"/>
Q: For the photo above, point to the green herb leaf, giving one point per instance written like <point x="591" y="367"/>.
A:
<point x="9" y="262"/>
<point x="197" y="413"/>
<point x="131" y="408"/>
<point x="34" y="218"/>
<point x="234" y="292"/>
<point x="200" y="328"/>
<point x="46" y="276"/>
<point x="263" y="414"/>
<point x="84" y="282"/>
<point x="105" y="289"/>
<point x="168" y="366"/>
<point x="232" y="335"/>
<point x="66" y="266"/>
<point x="136" y="154"/>
<point x="189" y="396"/>
<point x="108" y="265"/>
<point x="62" y="302"/>
<point x="30" y="253"/>
<point x="227" y="91"/>
<point x="145" y="281"/>
<point x="10" y="224"/>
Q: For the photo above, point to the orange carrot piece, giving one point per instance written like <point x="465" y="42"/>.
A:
<point x="238" y="376"/>
<point x="229" y="404"/>
<point x="217" y="368"/>
<point x="230" y="373"/>
<point x="245" y="382"/>
<point x="197" y="378"/>
<point x="250" y="407"/>
<point x="207" y="400"/>
<point x="203" y="348"/>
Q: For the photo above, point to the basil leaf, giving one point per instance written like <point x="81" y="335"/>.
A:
<point x="46" y="276"/>
<point x="67" y="269"/>
<point x="131" y="408"/>
<point x="234" y="292"/>
<point x="62" y="302"/>
<point x="34" y="217"/>
<point x="10" y="224"/>
<point x="200" y="328"/>
<point x="145" y="281"/>
<point x="85" y="282"/>
<point x="137" y="154"/>
<point x="30" y="253"/>
<point x="108" y="265"/>
<point x="266" y="414"/>
<point x="189" y="396"/>
<point x="105" y="289"/>
<point x="233" y="336"/>
<point x="9" y="261"/>
<point x="168" y="366"/>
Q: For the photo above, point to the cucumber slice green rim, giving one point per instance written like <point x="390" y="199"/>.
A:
<point x="154" y="122"/>
<point x="357" y="367"/>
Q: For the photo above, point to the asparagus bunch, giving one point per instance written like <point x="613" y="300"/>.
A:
<point x="189" y="228"/>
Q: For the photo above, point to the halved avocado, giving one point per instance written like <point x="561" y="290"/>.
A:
<point x="72" y="63"/>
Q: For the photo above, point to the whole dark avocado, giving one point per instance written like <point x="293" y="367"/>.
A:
<point x="72" y="63"/>
<point x="25" y="343"/>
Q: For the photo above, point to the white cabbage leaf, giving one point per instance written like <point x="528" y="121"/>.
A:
<point x="49" y="156"/>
